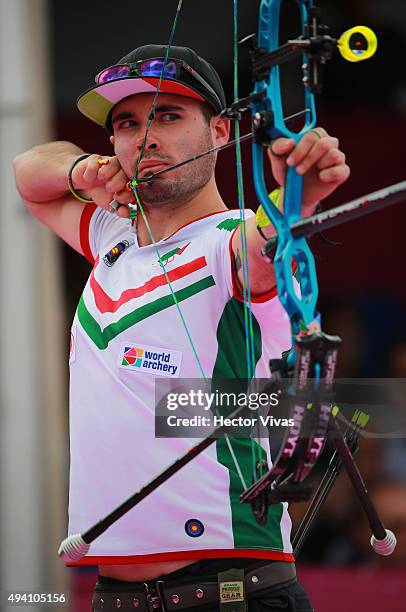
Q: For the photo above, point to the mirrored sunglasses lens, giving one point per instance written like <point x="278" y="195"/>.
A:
<point x="154" y="68"/>
<point x="115" y="72"/>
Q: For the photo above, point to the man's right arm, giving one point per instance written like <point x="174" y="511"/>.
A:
<point x="42" y="181"/>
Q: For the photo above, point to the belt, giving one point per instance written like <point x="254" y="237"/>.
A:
<point x="169" y="596"/>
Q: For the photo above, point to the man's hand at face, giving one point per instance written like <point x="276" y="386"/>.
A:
<point x="103" y="180"/>
<point x="317" y="157"/>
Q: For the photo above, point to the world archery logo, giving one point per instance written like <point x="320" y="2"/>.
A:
<point x="132" y="356"/>
<point x="153" y="360"/>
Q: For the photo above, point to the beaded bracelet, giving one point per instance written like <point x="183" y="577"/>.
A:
<point x="70" y="184"/>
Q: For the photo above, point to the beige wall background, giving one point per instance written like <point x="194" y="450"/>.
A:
<point x="33" y="434"/>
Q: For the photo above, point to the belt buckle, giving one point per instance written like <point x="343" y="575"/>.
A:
<point x="154" y="597"/>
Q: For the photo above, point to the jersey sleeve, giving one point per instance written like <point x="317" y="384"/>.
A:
<point x="219" y="250"/>
<point x="224" y="261"/>
<point x="99" y="229"/>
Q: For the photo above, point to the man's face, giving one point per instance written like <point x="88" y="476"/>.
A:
<point x="178" y="132"/>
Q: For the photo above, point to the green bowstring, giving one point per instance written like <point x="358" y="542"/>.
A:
<point x="192" y="344"/>
<point x="134" y="185"/>
<point x="256" y="449"/>
<point x="151" y="115"/>
<point x="249" y="332"/>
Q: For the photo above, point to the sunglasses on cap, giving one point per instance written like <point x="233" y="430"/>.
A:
<point x="156" y="67"/>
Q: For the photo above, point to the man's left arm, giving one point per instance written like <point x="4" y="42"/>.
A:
<point x="317" y="156"/>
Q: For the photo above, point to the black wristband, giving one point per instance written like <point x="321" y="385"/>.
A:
<point x="70" y="183"/>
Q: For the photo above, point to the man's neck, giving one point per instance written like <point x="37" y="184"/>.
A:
<point x="165" y="220"/>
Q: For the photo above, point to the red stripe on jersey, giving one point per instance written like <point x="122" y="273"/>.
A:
<point x="105" y="303"/>
<point x="85" y="218"/>
<point x="220" y="553"/>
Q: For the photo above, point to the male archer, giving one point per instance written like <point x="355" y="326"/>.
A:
<point x="127" y="330"/>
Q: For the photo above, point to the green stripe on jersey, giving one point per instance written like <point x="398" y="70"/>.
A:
<point x="231" y="363"/>
<point x="101" y="337"/>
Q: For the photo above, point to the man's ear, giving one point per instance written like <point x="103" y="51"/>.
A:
<point x="221" y="129"/>
<point x="112" y="140"/>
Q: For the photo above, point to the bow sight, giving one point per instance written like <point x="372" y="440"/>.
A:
<point x="316" y="46"/>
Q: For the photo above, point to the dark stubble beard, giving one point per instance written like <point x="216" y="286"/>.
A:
<point x="182" y="184"/>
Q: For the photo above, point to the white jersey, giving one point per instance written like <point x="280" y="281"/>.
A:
<point x="126" y="333"/>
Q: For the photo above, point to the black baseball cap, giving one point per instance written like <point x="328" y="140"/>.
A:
<point x="188" y="75"/>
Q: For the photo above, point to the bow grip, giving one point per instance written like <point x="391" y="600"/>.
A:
<point x="291" y="252"/>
